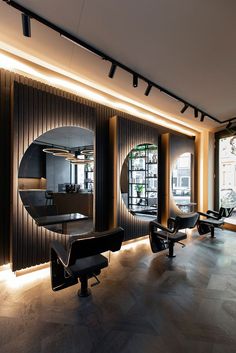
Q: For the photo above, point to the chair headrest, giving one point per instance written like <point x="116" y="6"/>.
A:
<point x="186" y="220"/>
<point x="95" y="243"/>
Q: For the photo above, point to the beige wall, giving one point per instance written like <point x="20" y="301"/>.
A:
<point x="205" y="169"/>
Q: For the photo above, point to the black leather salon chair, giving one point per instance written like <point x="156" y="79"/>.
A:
<point x="49" y="197"/>
<point x="212" y="220"/>
<point x="82" y="259"/>
<point x="162" y="237"/>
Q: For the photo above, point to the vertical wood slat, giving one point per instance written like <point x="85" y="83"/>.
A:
<point x="51" y="108"/>
<point x="126" y="136"/>
<point x="30" y="244"/>
<point x="5" y="138"/>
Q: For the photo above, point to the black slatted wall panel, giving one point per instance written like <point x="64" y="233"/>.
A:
<point x="37" y="109"/>
<point x="129" y="135"/>
<point x="35" y="112"/>
<point x="5" y="138"/>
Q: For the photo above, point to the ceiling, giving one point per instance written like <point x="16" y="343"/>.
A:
<point x="186" y="46"/>
<point x="67" y="137"/>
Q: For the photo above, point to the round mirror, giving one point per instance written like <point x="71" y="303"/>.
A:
<point x="55" y="180"/>
<point x="182" y="182"/>
<point x="139" y="182"/>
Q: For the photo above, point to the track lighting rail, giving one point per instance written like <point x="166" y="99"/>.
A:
<point x="114" y="64"/>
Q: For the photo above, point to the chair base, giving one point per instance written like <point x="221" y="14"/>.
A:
<point x="171" y="250"/>
<point x="84" y="293"/>
<point x="170" y="256"/>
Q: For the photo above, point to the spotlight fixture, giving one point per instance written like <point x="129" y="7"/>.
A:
<point x="202" y="117"/>
<point x="148" y="89"/>
<point x="228" y="126"/>
<point x="195" y="113"/>
<point x="135" y="80"/>
<point x="26" y="27"/>
<point x="112" y="70"/>
<point x="184" y="108"/>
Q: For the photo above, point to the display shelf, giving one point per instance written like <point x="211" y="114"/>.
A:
<point x="143" y="165"/>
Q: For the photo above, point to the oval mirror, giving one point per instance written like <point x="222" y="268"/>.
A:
<point x="182" y="182"/>
<point x="55" y="180"/>
<point x="139" y="182"/>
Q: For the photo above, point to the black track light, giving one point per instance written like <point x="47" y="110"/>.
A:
<point x="135" y="80"/>
<point x="184" y="108"/>
<point x="148" y="89"/>
<point x="228" y="126"/>
<point x="26" y="27"/>
<point x="112" y="70"/>
<point x="195" y="113"/>
<point x="202" y="117"/>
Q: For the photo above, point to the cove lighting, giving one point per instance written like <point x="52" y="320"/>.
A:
<point x="16" y="282"/>
<point x="12" y="64"/>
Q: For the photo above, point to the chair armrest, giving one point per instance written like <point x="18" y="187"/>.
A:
<point x="153" y="224"/>
<point x="215" y="213"/>
<point x="60" y="251"/>
<point x="206" y="215"/>
<point x="171" y="222"/>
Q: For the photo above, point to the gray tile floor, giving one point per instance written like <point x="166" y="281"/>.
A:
<point x="145" y="303"/>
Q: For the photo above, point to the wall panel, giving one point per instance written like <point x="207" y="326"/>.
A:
<point x="124" y="136"/>
<point x="37" y="109"/>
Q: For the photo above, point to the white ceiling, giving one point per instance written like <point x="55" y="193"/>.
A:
<point x="187" y="46"/>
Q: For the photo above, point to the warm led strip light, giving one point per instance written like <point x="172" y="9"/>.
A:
<point x="15" y="65"/>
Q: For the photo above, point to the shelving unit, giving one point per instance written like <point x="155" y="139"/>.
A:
<point x="143" y="175"/>
<point x="88" y="176"/>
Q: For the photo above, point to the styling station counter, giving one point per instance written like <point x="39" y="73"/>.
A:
<point x="81" y="202"/>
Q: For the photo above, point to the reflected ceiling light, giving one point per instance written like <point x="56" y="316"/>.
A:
<point x="70" y="158"/>
<point x="55" y="150"/>
<point x="82" y="161"/>
<point x="135" y="80"/>
<point x="26" y="27"/>
<point x="112" y="70"/>
<point x="195" y="113"/>
<point x="148" y="89"/>
<point x="184" y="108"/>
<point x="87" y="152"/>
<point x="63" y="154"/>
<point x="202" y="117"/>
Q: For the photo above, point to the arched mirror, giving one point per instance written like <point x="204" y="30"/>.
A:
<point x="55" y="180"/>
<point x="139" y="182"/>
<point x="182" y="182"/>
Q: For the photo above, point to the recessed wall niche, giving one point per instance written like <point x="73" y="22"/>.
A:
<point x="139" y="181"/>
<point x="56" y="180"/>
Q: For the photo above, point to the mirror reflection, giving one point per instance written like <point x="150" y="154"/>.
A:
<point x="182" y="183"/>
<point x="56" y="180"/>
<point x="139" y="182"/>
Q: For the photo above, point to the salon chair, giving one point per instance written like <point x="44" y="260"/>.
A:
<point x="213" y="219"/>
<point x="162" y="237"/>
<point x="82" y="259"/>
<point x="49" y="197"/>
